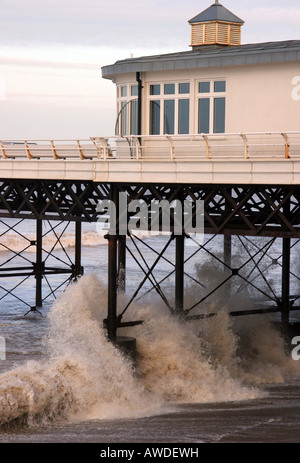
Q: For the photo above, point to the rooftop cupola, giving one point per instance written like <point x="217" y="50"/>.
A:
<point x="216" y="26"/>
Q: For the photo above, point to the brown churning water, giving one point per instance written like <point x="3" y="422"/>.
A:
<point x="84" y="377"/>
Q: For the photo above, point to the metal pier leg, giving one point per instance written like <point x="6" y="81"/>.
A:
<point x="78" y="270"/>
<point x="39" y="267"/>
<point x="122" y="264"/>
<point x="227" y="250"/>
<point x="227" y="258"/>
<point x="179" y="273"/>
<point x="111" y="322"/>
<point x="286" y="261"/>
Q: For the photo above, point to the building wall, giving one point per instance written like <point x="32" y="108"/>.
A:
<point x="259" y="98"/>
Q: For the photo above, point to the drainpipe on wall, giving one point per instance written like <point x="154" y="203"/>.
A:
<point x="139" y="124"/>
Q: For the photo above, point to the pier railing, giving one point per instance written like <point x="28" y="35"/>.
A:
<point x="230" y="146"/>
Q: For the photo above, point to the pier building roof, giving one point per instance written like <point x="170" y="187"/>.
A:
<point x="209" y="56"/>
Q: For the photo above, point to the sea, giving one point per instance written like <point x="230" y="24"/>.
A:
<point x="215" y="379"/>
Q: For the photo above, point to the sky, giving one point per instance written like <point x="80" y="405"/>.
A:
<point x="52" y="51"/>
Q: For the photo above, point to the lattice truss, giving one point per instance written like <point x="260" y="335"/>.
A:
<point x="264" y="213"/>
<point x="36" y="255"/>
<point x="237" y="273"/>
<point x="252" y="210"/>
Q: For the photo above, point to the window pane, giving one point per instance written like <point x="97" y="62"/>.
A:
<point x="169" y="116"/>
<point x="134" y="90"/>
<point x="154" y="117"/>
<point x="155" y="89"/>
<point x="169" y="89"/>
<point x="220" y="86"/>
<point x="184" y="88"/>
<point x="219" y="115"/>
<point x="124" y="118"/>
<point x="183" y="116"/>
<point x="203" y="115"/>
<point x="123" y="91"/>
<point x="134" y="117"/>
<point x="204" y="87"/>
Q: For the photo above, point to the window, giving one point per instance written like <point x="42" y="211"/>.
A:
<point x="219" y="115"/>
<point x="183" y="116"/>
<point x="127" y="110"/>
<point x="204" y="87"/>
<point x="134" y="90"/>
<point x="211" y="106"/>
<point x="169" y="89"/>
<point x="124" y="111"/>
<point x="155" y="89"/>
<point x="123" y="91"/>
<point x="170" y="113"/>
<point x="169" y="119"/>
<point x="203" y="115"/>
<point x="220" y="86"/>
<point x="154" y="117"/>
<point x="184" y="88"/>
<point x="134" y="117"/>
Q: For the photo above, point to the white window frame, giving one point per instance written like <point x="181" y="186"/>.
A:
<point x="125" y="99"/>
<point x="176" y="96"/>
<point x="211" y="95"/>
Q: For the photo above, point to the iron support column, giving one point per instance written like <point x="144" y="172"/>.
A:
<point x="38" y="268"/>
<point x="227" y="250"/>
<point x="112" y="267"/>
<point x="121" y="264"/>
<point x="286" y="261"/>
<point x="78" y="267"/>
<point x="179" y="273"/>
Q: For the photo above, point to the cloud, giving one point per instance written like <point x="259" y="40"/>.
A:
<point x="135" y="23"/>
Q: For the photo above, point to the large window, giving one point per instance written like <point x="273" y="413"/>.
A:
<point x="127" y="106"/>
<point x="169" y="108"/>
<point x="155" y="117"/>
<point x="211" y="106"/>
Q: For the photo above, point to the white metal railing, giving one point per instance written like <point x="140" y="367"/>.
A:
<point x="228" y="146"/>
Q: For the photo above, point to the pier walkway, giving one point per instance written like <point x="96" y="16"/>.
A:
<point x="244" y="158"/>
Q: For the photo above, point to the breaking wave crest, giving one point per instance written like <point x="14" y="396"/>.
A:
<point x="86" y="377"/>
<point x="17" y="243"/>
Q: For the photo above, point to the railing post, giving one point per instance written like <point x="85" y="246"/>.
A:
<point x="287" y="145"/>
<point x="105" y="148"/>
<point x="29" y="156"/>
<point x="95" y="145"/>
<point x="246" y="145"/>
<point x="80" y="150"/>
<point x="172" y="148"/>
<point x="137" y="146"/>
<point x="53" y="150"/>
<point x="208" y="152"/>
<point x="3" y="151"/>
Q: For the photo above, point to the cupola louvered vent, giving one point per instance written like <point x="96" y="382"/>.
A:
<point x="216" y="26"/>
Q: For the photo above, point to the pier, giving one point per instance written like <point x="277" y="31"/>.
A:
<point x="249" y="184"/>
